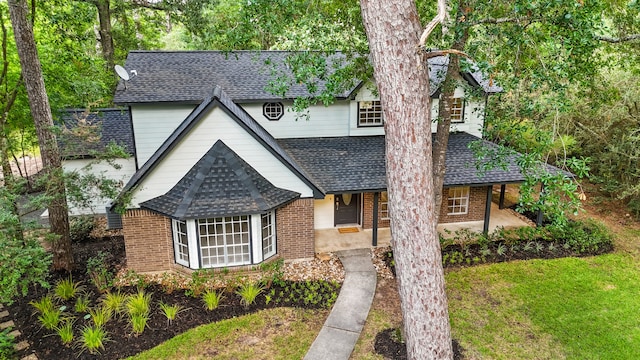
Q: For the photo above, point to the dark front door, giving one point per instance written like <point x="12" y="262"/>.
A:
<point x="347" y="208"/>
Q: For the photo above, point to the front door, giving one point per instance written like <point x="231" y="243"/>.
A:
<point x="347" y="209"/>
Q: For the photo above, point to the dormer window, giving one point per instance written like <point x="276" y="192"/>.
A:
<point x="370" y="113"/>
<point x="457" y="110"/>
<point x="273" y="111"/>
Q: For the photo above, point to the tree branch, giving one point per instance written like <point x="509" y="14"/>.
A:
<point x="617" y="40"/>
<point x="432" y="54"/>
<point x="438" y="19"/>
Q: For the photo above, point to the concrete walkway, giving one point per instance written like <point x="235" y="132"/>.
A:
<point x="340" y="332"/>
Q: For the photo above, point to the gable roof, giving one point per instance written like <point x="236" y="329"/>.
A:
<point x="188" y="76"/>
<point x="357" y="163"/>
<point x="85" y="133"/>
<point x="219" y="99"/>
<point x="438" y="70"/>
<point x="220" y="184"/>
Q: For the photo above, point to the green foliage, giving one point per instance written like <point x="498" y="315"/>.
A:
<point x="115" y="302"/>
<point x="82" y="304"/>
<point x="170" y="311"/>
<point x="138" y="304"/>
<point x="138" y="323"/>
<point x="7" y="342"/>
<point x="80" y="227"/>
<point x="98" y="270"/>
<point x="248" y="292"/>
<point x="65" y="332"/>
<point x="50" y="318"/>
<point x="92" y="339"/>
<point x="212" y="299"/>
<point x="44" y="304"/>
<point x="584" y="237"/>
<point x="100" y="315"/>
<point x="200" y="281"/>
<point x="66" y="289"/>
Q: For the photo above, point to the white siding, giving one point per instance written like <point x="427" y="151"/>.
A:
<point x="364" y="94"/>
<point x="323" y="213"/>
<point x="152" y="125"/>
<point x="98" y="205"/>
<point x="216" y="125"/>
<point x="323" y="121"/>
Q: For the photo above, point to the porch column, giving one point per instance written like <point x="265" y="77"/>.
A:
<point x="374" y="240"/>
<point x="503" y="189"/>
<point x="487" y="209"/>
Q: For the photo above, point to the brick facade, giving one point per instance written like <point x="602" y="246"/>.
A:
<point x="477" y="201"/>
<point x="148" y="241"/>
<point x="367" y="213"/>
<point x="294" y="230"/>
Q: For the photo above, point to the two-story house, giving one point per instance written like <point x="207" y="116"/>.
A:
<point x="222" y="173"/>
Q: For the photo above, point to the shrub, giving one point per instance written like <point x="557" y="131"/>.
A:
<point x="170" y="311"/>
<point x="139" y="323"/>
<point x="50" y="318"/>
<point x="583" y="237"/>
<point x="82" y="304"/>
<point x="22" y="263"/>
<point x="92" y="339"/>
<point x="65" y="331"/>
<point x="44" y="304"/>
<point x="80" y="227"/>
<point x="7" y="350"/>
<point x="115" y="302"/>
<point x="98" y="271"/>
<point x="249" y="292"/>
<point x="211" y="299"/>
<point x="66" y="289"/>
<point x="138" y="304"/>
<point x="100" y="316"/>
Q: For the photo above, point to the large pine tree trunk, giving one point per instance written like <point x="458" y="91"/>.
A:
<point x="41" y="113"/>
<point x="400" y="68"/>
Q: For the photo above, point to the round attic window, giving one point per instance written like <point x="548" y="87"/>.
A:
<point x="273" y="111"/>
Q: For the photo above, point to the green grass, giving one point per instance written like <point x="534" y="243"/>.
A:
<point x="573" y="308"/>
<point x="246" y="337"/>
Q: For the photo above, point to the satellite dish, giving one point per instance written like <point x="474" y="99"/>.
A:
<point x="122" y="72"/>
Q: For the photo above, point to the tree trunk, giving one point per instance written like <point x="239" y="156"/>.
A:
<point x="401" y="73"/>
<point x="41" y="113"/>
<point x="106" y="38"/>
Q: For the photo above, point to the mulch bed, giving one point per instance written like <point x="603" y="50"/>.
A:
<point x="387" y="345"/>
<point x="122" y="342"/>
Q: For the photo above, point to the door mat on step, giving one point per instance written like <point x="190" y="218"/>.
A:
<point x="348" y="230"/>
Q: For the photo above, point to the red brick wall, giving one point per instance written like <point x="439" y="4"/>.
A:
<point x="367" y="213"/>
<point x="294" y="230"/>
<point x="477" y="200"/>
<point x="148" y="241"/>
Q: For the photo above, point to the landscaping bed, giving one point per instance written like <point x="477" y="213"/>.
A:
<point x="269" y="289"/>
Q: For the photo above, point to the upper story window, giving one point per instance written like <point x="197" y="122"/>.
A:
<point x="457" y="110"/>
<point x="273" y="111"/>
<point x="370" y="113"/>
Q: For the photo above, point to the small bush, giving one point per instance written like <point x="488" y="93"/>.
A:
<point x="138" y="304"/>
<point x="66" y="289"/>
<point x="65" y="331"/>
<point x="100" y="316"/>
<point x="139" y="323"/>
<point x="170" y="311"/>
<point x="115" y="302"/>
<point x="583" y="237"/>
<point x="82" y="304"/>
<point x="50" y="318"/>
<point x="92" y="339"/>
<point x="7" y="342"/>
<point x="249" y="292"/>
<point x="80" y="227"/>
<point x="44" y="304"/>
<point x="211" y="299"/>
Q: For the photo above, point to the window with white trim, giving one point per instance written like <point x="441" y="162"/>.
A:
<point x="384" y="205"/>
<point x="268" y="235"/>
<point x="224" y="241"/>
<point x="370" y="113"/>
<point x="180" y="242"/>
<point x="457" y="110"/>
<point x="458" y="201"/>
<point x="273" y="111"/>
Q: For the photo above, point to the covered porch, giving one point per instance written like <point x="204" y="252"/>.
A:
<point x="331" y="240"/>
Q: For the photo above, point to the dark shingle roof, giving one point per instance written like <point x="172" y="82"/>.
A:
<point x="438" y="71"/>
<point x="220" y="184"/>
<point x="85" y="133"/>
<point x="353" y="164"/>
<point x="189" y="76"/>
<point x="218" y="98"/>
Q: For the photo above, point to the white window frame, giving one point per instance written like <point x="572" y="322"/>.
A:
<point x="180" y="242"/>
<point x="457" y="110"/>
<point x="458" y="200"/>
<point x="370" y="114"/>
<point x="268" y="235"/>
<point x="197" y="254"/>
<point x="384" y="206"/>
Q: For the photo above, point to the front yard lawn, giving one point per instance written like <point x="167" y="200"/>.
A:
<point x="573" y="308"/>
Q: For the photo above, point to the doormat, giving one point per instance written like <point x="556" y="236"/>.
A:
<point x="348" y="230"/>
